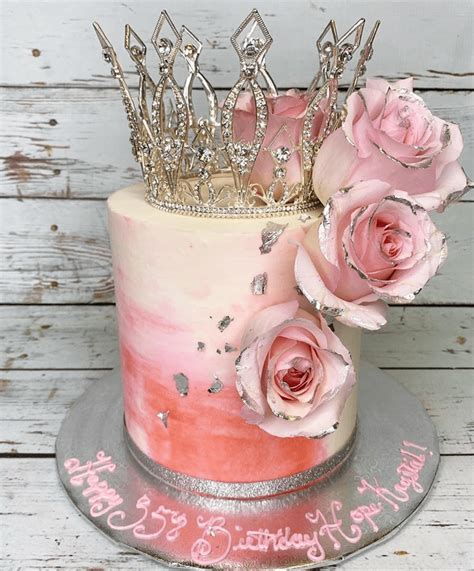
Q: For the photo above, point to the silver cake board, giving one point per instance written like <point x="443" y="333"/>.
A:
<point x="384" y="481"/>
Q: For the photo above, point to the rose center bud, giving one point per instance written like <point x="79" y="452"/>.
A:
<point x="391" y="245"/>
<point x="295" y="380"/>
<point x="396" y="244"/>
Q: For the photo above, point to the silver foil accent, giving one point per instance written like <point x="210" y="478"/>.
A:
<point x="216" y="386"/>
<point x="163" y="416"/>
<point x="229" y="348"/>
<point x="240" y="490"/>
<point x="328" y="312"/>
<point x="333" y="428"/>
<point x="182" y="384"/>
<point x="224" y="323"/>
<point x="304" y="218"/>
<point x="270" y="235"/>
<point x="259" y="284"/>
<point x="201" y="346"/>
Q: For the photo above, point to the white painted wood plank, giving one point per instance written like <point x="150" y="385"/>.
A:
<point x="57" y="251"/>
<point x="448" y="397"/>
<point x="83" y="337"/>
<point x="54" y="250"/>
<point x="34" y="403"/>
<point x="74" y="142"/>
<point x="431" y="41"/>
<point x="34" y="506"/>
<point x="64" y="143"/>
<point x="58" y="337"/>
<point x="435" y="337"/>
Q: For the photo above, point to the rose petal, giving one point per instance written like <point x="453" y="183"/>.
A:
<point x="451" y="185"/>
<point x="370" y="314"/>
<point x="248" y="381"/>
<point x="269" y="318"/>
<point x="327" y="178"/>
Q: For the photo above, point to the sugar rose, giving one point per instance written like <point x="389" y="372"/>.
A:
<point x="285" y="110"/>
<point x="294" y="375"/>
<point x="373" y="243"/>
<point x="389" y="134"/>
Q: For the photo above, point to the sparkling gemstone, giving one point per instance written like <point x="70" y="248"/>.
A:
<point x="204" y="154"/>
<point x="282" y="154"/>
<point x="190" y="50"/>
<point x="204" y="174"/>
<point x="251" y="46"/>
<point x="249" y="69"/>
<point x="164" y="47"/>
<point x="168" y="145"/>
<point x="280" y="172"/>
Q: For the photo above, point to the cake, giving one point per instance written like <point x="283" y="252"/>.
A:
<point x="184" y="299"/>
<point x="267" y="233"/>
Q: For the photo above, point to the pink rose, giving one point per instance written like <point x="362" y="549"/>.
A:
<point x="285" y="110"/>
<point x="373" y="243"/>
<point x="389" y="134"/>
<point x="294" y="374"/>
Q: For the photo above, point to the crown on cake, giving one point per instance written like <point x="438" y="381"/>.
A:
<point x="194" y="163"/>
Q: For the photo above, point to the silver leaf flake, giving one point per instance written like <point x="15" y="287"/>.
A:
<point x="229" y="349"/>
<point x="216" y="386"/>
<point x="182" y="384"/>
<point x="259" y="284"/>
<point x="201" y="346"/>
<point x="163" y="416"/>
<point x="304" y="218"/>
<point x="270" y="235"/>
<point x="224" y="323"/>
<point x="330" y="430"/>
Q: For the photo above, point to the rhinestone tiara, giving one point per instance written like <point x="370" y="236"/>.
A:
<point x="192" y="163"/>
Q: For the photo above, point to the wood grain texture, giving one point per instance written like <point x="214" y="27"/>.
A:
<point x="53" y="250"/>
<point x="33" y="503"/>
<point x="73" y="143"/>
<point x="83" y="337"/>
<point x="62" y="47"/>
<point x="57" y="251"/>
<point x="34" y="403"/>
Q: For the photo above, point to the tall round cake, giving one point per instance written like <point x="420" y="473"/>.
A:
<point x="187" y="288"/>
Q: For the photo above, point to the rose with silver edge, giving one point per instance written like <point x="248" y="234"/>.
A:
<point x="388" y="133"/>
<point x="294" y="375"/>
<point x="373" y="243"/>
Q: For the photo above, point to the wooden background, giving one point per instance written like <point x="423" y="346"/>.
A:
<point x="64" y="150"/>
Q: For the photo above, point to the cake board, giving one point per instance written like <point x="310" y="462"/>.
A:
<point x="362" y="502"/>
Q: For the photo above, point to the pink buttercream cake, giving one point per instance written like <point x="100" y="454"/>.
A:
<point x="184" y="298"/>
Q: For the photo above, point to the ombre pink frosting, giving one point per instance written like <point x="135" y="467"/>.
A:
<point x="176" y="278"/>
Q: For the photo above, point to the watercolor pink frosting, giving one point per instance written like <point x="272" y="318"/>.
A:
<point x="184" y="299"/>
